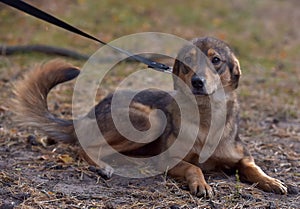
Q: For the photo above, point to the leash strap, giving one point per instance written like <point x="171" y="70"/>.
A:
<point x="33" y="11"/>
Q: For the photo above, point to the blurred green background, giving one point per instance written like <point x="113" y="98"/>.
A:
<point x="264" y="34"/>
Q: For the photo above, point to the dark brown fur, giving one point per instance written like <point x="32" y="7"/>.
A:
<point x="219" y="68"/>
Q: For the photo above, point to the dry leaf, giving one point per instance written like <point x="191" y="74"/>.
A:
<point x="65" y="159"/>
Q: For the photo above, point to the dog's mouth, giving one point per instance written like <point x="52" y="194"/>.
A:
<point x="201" y="92"/>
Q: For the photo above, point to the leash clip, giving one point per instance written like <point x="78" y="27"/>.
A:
<point x="160" y="67"/>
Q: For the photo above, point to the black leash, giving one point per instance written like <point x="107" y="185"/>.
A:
<point x="31" y="10"/>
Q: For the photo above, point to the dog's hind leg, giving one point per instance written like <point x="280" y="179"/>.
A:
<point x="103" y="169"/>
<point x="100" y="138"/>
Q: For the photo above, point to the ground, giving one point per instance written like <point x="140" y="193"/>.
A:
<point x="38" y="173"/>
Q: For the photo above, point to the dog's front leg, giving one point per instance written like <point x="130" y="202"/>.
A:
<point x="252" y="173"/>
<point x="194" y="177"/>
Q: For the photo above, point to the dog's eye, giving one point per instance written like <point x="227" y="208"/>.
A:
<point x="216" y="60"/>
<point x="187" y="60"/>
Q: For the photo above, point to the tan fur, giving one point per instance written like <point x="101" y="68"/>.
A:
<point x="218" y="68"/>
<point x="30" y="102"/>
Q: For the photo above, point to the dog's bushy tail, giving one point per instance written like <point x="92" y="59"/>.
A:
<point x="30" y="101"/>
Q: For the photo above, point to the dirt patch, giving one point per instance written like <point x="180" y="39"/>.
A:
<point x="34" y="176"/>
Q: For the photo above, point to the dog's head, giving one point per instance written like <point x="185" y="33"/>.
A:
<point x="204" y="64"/>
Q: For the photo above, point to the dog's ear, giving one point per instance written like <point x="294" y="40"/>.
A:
<point x="176" y="67"/>
<point x="236" y="67"/>
<point x="235" y="72"/>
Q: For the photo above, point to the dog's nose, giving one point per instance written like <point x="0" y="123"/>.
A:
<point x="198" y="82"/>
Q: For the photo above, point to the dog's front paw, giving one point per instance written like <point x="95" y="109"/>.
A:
<point x="273" y="185"/>
<point x="200" y="189"/>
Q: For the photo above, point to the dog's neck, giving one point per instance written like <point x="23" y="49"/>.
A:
<point x="215" y="107"/>
<point x="207" y="107"/>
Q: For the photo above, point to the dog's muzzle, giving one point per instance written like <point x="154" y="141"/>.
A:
<point x="199" y="83"/>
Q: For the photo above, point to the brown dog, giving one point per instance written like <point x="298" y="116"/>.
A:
<point x="198" y="77"/>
